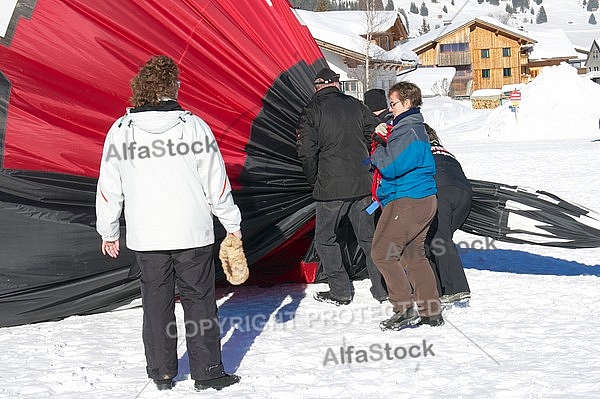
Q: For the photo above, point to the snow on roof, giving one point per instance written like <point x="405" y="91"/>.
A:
<point x="357" y="21"/>
<point x="435" y="34"/>
<point x="552" y="43"/>
<point x="485" y="93"/>
<point x="413" y="44"/>
<point x="327" y="28"/>
<point x="507" y="28"/>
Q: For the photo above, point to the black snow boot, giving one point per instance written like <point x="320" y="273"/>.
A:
<point x="401" y="320"/>
<point x="217" y="383"/>
<point x="162" y="385"/>
<point x="325" y="296"/>
<point x="433" y="321"/>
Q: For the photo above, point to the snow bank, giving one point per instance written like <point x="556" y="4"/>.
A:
<point x="558" y="104"/>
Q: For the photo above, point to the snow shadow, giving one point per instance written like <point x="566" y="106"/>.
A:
<point x="271" y="308"/>
<point x="521" y="262"/>
<point x="244" y="313"/>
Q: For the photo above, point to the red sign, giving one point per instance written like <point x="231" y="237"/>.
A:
<point x="515" y="95"/>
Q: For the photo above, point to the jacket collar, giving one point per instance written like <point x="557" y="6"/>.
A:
<point x="168" y="105"/>
<point x="325" y="91"/>
<point x="411" y="111"/>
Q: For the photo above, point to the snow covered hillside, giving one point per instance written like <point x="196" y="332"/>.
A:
<point x="569" y="15"/>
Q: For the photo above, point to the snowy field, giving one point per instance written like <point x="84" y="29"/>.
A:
<point x="531" y="330"/>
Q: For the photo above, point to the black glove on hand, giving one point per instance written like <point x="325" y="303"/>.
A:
<point x="379" y="140"/>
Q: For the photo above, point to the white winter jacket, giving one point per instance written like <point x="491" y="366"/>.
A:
<point x="167" y="170"/>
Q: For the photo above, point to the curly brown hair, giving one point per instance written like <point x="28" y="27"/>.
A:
<point x="157" y="79"/>
<point x="407" y="91"/>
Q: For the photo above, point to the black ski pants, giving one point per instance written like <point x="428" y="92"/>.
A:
<point x="193" y="270"/>
<point x="328" y="217"/>
<point x="454" y="204"/>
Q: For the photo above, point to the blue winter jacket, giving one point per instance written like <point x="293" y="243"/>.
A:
<point x="407" y="166"/>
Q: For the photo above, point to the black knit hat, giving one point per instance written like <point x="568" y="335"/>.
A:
<point x="375" y="99"/>
<point x="326" y="76"/>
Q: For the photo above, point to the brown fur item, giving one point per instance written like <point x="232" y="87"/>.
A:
<point x="233" y="260"/>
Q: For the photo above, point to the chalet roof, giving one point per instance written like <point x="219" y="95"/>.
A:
<point x="552" y="44"/>
<point x="338" y="36"/>
<point x="435" y="35"/>
<point x="357" y="21"/>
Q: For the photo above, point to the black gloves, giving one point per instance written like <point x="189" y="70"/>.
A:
<point x="377" y="138"/>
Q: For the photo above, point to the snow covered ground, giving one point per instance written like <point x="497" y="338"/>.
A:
<point x="531" y="330"/>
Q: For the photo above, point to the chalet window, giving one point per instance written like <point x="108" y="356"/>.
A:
<point x="485" y="53"/>
<point x="454" y="47"/>
<point x="506" y="72"/>
<point x="506" y="52"/>
<point x="485" y="73"/>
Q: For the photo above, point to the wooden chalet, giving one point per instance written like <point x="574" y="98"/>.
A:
<point x="485" y="53"/>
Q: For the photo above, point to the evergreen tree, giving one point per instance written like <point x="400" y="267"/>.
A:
<point x="495" y="2"/>
<point x="424" y="27"/>
<point x="592" y="5"/>
<point x="452" y="2"/>
<point x="592" y="20"/>
<point x="541" y="17"/>
<point x="538" y="2"/>
<point x="413" y="8"/>
<point x="445" y="9"/>
<point x="520" y="4"/>
<point x="509" y="9"/>
<point x="390" y="5"/>
<point x="480" y="1"/>
<point x="424" y="11"/>
<point x="377" y="5"/>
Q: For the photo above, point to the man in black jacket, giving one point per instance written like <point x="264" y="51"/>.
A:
<point x="334" y="135"/>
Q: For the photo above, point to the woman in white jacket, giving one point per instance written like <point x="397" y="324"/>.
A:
<point x="164" y="164"/>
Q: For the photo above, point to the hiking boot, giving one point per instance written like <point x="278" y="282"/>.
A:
<point x="325" y="296"/>
<point x="217" y="383"/>
<point x="459" y="296"/>
<point x="433" y="321"/>
<point x="401" y="320"/>
<point x="163" y="385"/>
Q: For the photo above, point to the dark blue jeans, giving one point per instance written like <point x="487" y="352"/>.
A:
<point x="329" y="215"/>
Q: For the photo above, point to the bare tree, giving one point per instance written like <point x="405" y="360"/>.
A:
<point x="441" y="87"/>
<point x="374" y="21"/>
